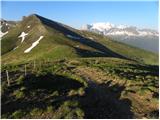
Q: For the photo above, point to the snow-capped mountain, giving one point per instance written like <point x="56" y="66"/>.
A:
<point x="111" y="29"/>
<point x="143" y="38"/>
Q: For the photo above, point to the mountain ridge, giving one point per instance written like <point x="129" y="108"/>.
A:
<point x="57" y="39"/>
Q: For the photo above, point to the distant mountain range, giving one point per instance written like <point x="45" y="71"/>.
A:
<point x="143" y="38"/>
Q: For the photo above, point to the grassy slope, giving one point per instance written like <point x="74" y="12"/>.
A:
<point x="55" y="43"/>
<point x="124" y="49"/>
<point x="94" y="88"/>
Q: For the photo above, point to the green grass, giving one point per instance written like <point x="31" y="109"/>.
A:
<point x="69" y="110"/>
<point x="19" y="94"/>
<point x="124" y="49"/>
<point x="55" y="45"/>
<point x="55" y="86"/>
<point x="62" y="82"/>
<point x="18" y="114"/>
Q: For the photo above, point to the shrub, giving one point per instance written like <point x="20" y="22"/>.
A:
<point x="71" y="103"/>
<point x="152" y="88"/>
<point x="79" y="113"/>
<point x="55" y="93"/>
<point x="19" y="94"/>
<point x="36" y="112"/>
<point x="74" y="62"/>
<point x="75" y="114"/>
<point x="23" y="88"/>
<point x="81" y="91"/>
<point x="155" y="100"/>
<point x="143" y="91"/>
<point x="72" y="92"/>
<point x="69" y="110"/>
<point x="50" y="109"/>
<point x="41" y="73"/>
<point x="20" y="79"/>
<point x="18" y="114"/>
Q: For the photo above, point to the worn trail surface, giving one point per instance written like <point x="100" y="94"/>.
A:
<point x="103" y="96"/>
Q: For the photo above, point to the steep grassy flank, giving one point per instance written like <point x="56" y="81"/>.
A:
<point x="11" y="40"/>
<point x="57" y="44"/>
<point x="124" y="49"/>
<point x="46" y="49"/>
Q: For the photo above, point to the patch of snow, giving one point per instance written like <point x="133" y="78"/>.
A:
<point x="33" y="45"/>
<point x="121" y="33"/>
<point x="2" y="34"/>
<point x="143" y="33"/>
<point x="23" y="34"/>
<point x="15" y="48"/>
<point x="6" y="24"/>
<point x="28" y="26"/>
<point x="102" y="26"/>
<point x="73" y="37"/>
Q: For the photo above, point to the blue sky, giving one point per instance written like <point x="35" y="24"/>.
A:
<point x="142" y="14"/>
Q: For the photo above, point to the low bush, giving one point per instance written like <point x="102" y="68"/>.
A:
<point x="20" y="79"/>
<point x="69" y="110"/>
<point x="19" y="94"/>
<point x="72" y="93"/>
<point x="36" y="112"/>
<point x="81" y="91"/>
<point x="18" y="114"/>
<point x="55" y="93"/>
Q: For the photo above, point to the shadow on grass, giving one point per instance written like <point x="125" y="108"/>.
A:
<point x="104" y="51"/>
<point x="103" y="101"/>
<point x="138" y="70"/>
<point x="99" y="101"/>
<point x="38" y="92"/>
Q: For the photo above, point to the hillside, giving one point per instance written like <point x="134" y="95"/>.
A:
<point x="126" y="50"/>
<point x="58" y="37"/>
<point x="50" y="70"/>
<point x="80" y="88"/>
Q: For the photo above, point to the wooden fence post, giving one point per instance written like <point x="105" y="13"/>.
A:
<point x="8" y="81"/>
<point x="25" y="70"/>
<point x="34" y="64"/>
